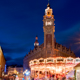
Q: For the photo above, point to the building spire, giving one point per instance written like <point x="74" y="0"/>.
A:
<point x="48" y="1"/>
<point x="48" y="4"/>
<point x="36" y="44"/>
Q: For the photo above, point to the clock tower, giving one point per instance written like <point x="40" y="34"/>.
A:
<point x="49" y="29"/>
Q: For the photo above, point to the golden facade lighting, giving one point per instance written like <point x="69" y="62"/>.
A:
<point x="58" y="65"/>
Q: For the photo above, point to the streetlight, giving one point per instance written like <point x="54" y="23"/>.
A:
<point x="27" y="74"/>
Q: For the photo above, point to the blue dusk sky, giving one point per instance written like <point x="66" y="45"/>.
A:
<point x="21" y="21"/>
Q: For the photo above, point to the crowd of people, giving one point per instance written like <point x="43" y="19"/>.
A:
<point x="49" y="77"/>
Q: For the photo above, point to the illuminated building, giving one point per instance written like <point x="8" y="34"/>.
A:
<point x="26" y="74"/>
<point x="54" y="65"/>
<point x="50" y="48"/>
<point x="16" y="70"/>
<point x="2" y="63"/>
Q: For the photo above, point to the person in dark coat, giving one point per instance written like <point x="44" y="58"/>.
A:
<point x="32" y="78"/>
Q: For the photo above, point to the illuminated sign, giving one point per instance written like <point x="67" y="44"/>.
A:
<point x="5" y="68"/>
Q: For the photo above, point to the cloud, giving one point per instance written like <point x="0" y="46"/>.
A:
<point x="7" y="58"/>
<point x="18" y="61"/>
<point x="69" y="37"/>
<point x="69" y="33"/>
<point x="21" y="21"/>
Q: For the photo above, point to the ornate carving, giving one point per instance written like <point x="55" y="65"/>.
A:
<point x="48" y="45"/>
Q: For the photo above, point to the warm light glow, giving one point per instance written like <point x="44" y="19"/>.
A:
<point x="51" y="71"/>
<point x="36" y="44"/>
<point x="68" y="60"/>
<point x="48" y="10"/>
<point x="17" y="72"/>
<point x="52" y="65"/>
<point x="48" y="23"/>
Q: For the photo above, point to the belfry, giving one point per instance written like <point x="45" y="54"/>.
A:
<point x="50" y="57"/>
<point x="49" y="29"/>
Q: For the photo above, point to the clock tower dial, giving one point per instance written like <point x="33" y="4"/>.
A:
<point x="49" y="28"/>
<point x="48" y="23"/>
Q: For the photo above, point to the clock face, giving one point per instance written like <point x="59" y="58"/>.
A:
<point x="48" y="23"/>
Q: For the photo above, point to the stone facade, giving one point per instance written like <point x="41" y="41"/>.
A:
<point x="50" y="47"/>
<point x="2" y="63"/>
<point x="39" y="52"/>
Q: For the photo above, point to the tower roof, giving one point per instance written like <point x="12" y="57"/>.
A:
<point x="48" y="5"/>
<point x="36" y="39"/>
<point x="48" y="11"/>
<point x="36" y="42"/>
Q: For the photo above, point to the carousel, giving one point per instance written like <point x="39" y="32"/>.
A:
<point x="61" y="66"/>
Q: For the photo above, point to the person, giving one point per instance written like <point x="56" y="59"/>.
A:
<point x="58" y="78"/>
<point x="32" y="78"/>
<point x="52" y="77"/>
<point x="46" y="78"/>
<point x="64" y="78"/>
